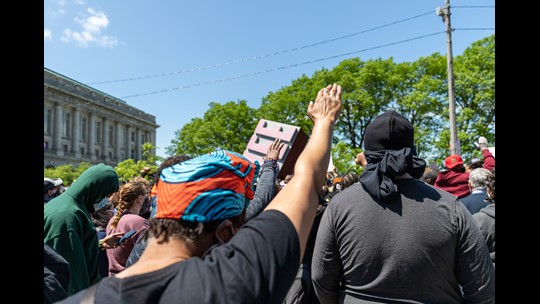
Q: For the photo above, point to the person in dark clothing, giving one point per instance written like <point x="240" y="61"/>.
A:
<point x="478" y="180"/>
<point x="56" y="275"/>
<point x="301" y="291"/>
<point x="393" y="238"/>
<point x="486" y="216"/>
<point x="198" y="250"/>
<point x="49" y="190"/>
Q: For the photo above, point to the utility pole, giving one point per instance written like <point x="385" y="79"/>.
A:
<point x="455" y="147"/>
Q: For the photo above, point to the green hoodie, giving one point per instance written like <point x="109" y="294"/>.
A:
<point x="68" y="226"/>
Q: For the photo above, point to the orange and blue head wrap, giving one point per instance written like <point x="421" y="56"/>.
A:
<point x="214" y="186"/>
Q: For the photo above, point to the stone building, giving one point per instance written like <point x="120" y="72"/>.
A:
<point x="82" y="124"/>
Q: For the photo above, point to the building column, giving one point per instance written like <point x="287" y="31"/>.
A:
<point x="57" y="138"/>
<point x="153" y="141"/>
<point x="75" y="133"/>
<point x="92" y="136"/>
<point x="138" y="149"/>
<point x="128" y="142"/>
<point x="118" y="142"/>
<point x="105" y="146"/>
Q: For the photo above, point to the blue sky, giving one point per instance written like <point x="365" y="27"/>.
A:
<point x="172" y="58"/>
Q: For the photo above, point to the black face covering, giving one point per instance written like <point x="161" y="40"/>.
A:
<point x="145" y="209"/>
<point x="383" y="166"/>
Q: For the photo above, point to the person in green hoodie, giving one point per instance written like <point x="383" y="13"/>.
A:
<point x="68" y="226"/>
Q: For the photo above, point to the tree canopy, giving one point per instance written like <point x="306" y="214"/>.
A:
<point x="418" y="90"/>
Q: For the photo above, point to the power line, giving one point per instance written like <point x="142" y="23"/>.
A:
<point x="476" y="29"/>
<point x="473" y="6"/>
<point x="261" y="56"/>
<point x="282" y="68"/>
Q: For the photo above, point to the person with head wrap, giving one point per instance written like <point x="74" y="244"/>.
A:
<point x="69" y="229"/>
<point x="394" y="238"/>
<point x="263" y="194"/>
<point x="198" y="250"/>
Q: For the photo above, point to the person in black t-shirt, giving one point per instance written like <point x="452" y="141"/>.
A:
<point x="198" y="250"/>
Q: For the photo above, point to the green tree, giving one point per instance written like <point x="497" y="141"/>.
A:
<point x="129" y="169"/>
<point x="289" y="104"/>
<point x="68" y="173"/>
<point x="420" y="96"/>
<point x="416" y="89"/>
<point x="368" y="90"/>
<point x="343" y="157"/>
<point x="474" y="91"/>
<point x="475" y="94"/>
<point x="147" y="154"/>
<point x="225" y="126"/>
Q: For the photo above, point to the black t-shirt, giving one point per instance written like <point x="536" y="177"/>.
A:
<point x="257" y="265"/>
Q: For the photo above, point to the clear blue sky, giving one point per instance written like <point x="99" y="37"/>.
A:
<point x="196" y="52"/>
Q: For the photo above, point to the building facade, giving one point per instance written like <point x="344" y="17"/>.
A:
<point x="82" y="124"/>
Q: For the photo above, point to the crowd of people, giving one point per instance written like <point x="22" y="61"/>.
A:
<point x="218" y="228"/>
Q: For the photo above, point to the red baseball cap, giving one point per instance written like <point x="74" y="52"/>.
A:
<point x="452" y="161"/>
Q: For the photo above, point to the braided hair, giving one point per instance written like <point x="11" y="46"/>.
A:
<point x="127" y="196"/>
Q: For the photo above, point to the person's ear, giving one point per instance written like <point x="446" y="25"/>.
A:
<point x="225" y="231"/>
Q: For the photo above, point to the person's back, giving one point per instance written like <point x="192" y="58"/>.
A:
<point x="393" y="238"/>
<point x="455" y="179"/>
<point x="405" y="249"/>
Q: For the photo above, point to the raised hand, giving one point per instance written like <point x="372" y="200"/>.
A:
<point x="327" y="105"/>
<point x="274" y="149"/>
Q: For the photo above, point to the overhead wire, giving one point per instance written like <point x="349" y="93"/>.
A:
<point x="282" y="68"/>
<point x="246" y="59"/>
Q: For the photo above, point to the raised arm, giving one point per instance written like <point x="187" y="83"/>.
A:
<point x="266" y="184"/>
<point x="299" y="200"/>
<point x="489" y="159"/>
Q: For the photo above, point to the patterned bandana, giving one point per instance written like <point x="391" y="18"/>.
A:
<point x="206" y="188"/>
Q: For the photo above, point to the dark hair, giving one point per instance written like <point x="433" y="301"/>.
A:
<point x="101" y="217"/>
<point x="172" y="160"/>
<point x="349" y="179"/>
<point x="186" y="230"/>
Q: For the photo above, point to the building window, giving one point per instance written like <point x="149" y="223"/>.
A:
<point x="97" y="152"/>
<point x="110" y="154"/>
<point x="66" y="124"/>
<point x="132" y="154"/>
<point x="46" y="145"/>
<point x="83" y="129"/>
<point x="132" y="136"/>
<point x="47" y="115"/>
<point x="82" y="151"/>
<point x="111" y="135"/>
<point x="98" y="132"/>
<point x="65" y="148"/>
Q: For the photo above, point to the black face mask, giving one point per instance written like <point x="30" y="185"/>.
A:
<point x="145" y="209"/>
